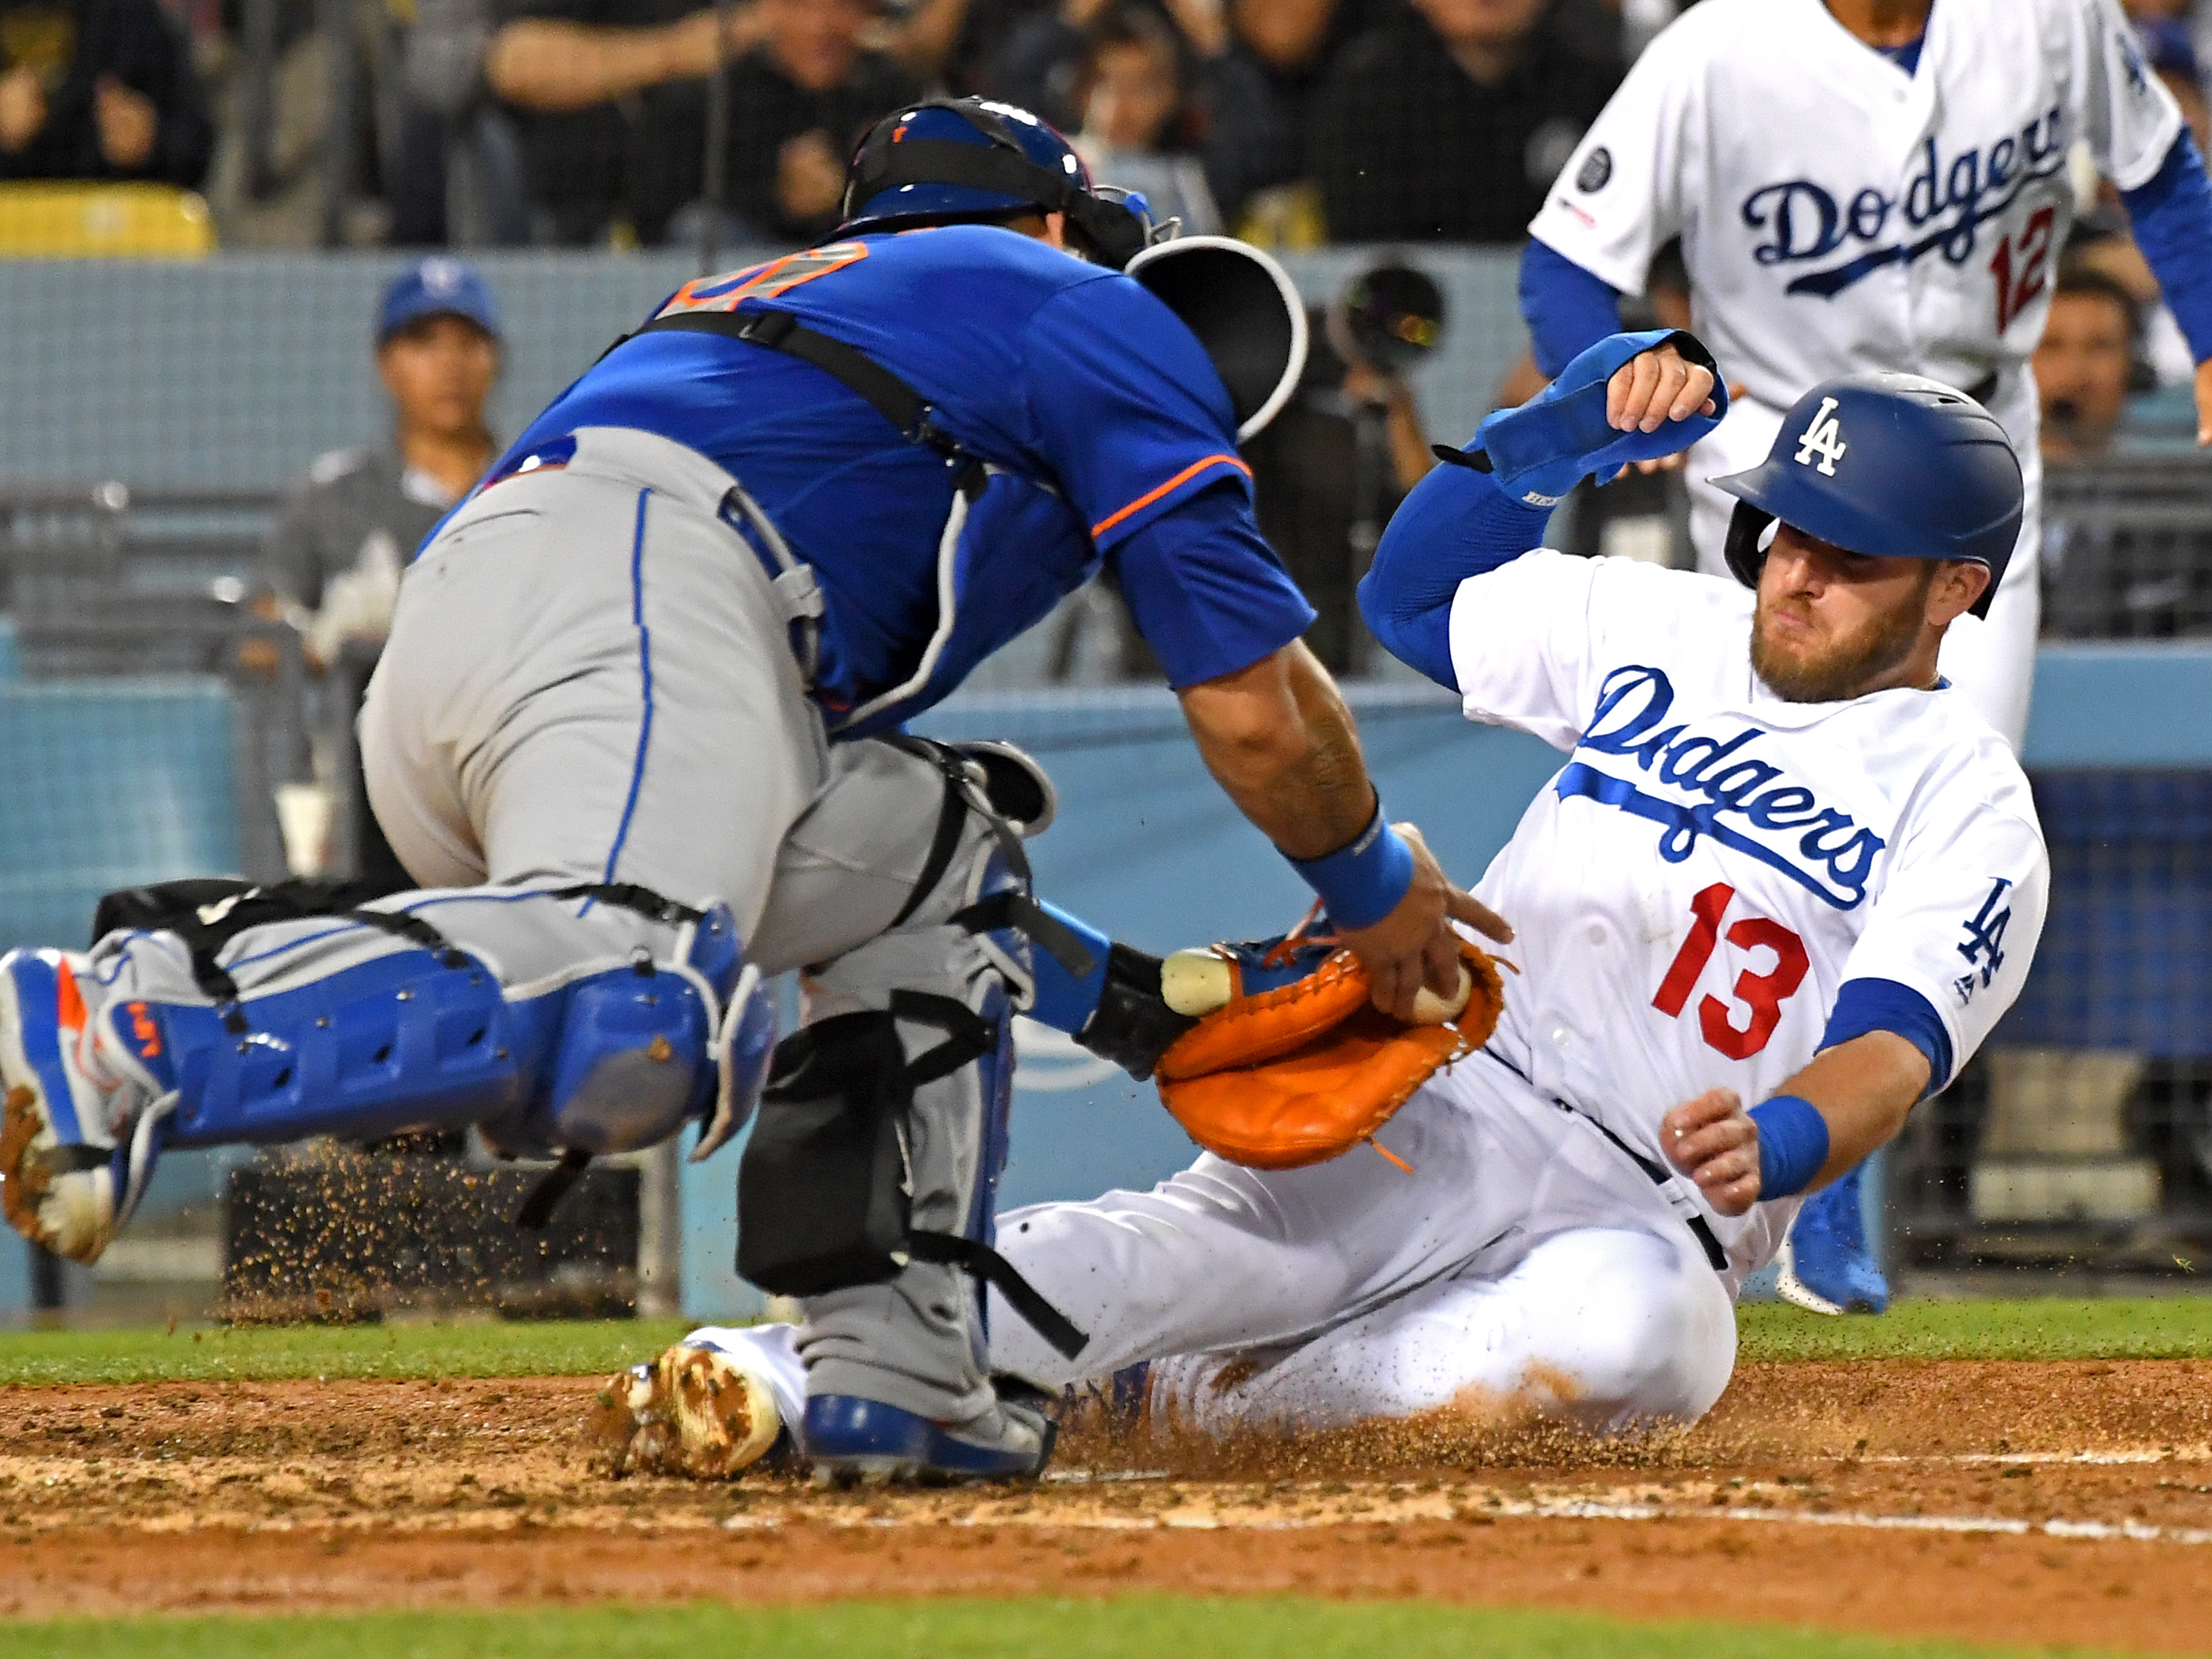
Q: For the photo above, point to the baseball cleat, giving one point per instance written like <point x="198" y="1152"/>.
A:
<point x="1824" y="1265"/>
<point x="696" y="1412"/>
<point x="65" y="1156"/>
<point x="851" y="1440"/>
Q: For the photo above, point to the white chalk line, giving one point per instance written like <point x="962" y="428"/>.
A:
<point x="2122" y="1456"/>
<point x="2134" y="1531"/>
<point x="2131" y="1455"/>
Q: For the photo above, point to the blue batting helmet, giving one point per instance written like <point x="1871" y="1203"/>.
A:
<point x="947" y="160"/>
<point x="1892" y="465"/>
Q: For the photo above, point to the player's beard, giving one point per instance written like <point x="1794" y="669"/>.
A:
<point x="1846" y="665"/>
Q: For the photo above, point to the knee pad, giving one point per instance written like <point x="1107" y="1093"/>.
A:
<point x="629" y="1065"/>
<point x="632" y="1053"/>
<point x="745" y="1047"/>
<point x="824" y="1192"/>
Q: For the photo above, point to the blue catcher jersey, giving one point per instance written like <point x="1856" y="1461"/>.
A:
<point x="1109" y="435"/>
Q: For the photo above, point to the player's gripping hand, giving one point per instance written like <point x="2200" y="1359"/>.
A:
<point x="1630" y="398"/>
<point x="1655" y="387"/>
<point x="1413" y="946"/>
<point x="1713" y="1140"/>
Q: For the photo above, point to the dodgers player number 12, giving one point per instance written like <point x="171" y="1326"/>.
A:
<point x="1843" y="209"/>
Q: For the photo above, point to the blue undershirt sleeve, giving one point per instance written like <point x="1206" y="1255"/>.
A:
<point x="1567" y="309"/>
<point x="1884" y="1004"/>
<point x="1456" y="523"/>
<point x="2172" y="220"/>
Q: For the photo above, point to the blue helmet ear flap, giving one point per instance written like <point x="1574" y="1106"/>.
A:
<point x="1746" y="547"/>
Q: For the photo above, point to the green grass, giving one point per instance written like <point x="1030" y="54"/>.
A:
<point x="265" y="1354"/>
<point x="1140" y="1627"/>
<point x="2149" y="1327"/>
<point x="2161" y="1328"/>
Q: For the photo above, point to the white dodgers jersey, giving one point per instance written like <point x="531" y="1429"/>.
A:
<point x="1838" y="214"/>
<point x="1713" y="864"/>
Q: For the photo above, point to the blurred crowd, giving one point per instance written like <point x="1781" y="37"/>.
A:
<point x="574" y="123"/>
<point x="579" y="123"/>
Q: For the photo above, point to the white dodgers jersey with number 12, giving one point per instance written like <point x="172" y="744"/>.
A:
<point x="1838" y="214"/>
<point x="1713" y="864"/>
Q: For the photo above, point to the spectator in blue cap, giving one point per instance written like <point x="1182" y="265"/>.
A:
<point x="349" y="525"/>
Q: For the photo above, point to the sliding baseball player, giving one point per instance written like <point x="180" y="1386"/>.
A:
<point x="1873" y="185"/>
<point x="638" y="731"/>
<point x="1786" y="883"/>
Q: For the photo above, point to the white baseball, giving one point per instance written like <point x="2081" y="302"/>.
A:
<point x="1429" y="1008"/>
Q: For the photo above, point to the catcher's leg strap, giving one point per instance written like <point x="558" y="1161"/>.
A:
<point x="823" y="1191"/>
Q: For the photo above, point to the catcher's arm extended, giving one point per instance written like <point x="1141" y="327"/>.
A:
<point x="1278" y="739"/>
<point x="1850" y="1100"/>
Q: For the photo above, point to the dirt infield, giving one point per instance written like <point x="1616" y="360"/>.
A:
<point x="2042" y="1504"/>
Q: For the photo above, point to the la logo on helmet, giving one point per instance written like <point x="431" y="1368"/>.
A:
<point x="1823" y="438"/>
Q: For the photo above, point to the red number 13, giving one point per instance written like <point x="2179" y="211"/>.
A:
<point x="1764" y="993"/>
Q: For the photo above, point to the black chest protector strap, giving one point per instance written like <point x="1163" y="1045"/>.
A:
<point x="881" y="391"/>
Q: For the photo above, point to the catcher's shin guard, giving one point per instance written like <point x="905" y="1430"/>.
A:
<point x="375" y="1024"/>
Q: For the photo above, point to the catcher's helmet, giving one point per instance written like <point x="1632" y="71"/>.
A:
<point x="947" y="160"/>
<point x="1893" y="465"/>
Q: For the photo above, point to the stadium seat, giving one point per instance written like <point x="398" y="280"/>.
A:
<point x="83" y="221"/>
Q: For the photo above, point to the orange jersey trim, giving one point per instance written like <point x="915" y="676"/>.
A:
<point x="1168" y="487"/>
<point x="69" y="1011"/>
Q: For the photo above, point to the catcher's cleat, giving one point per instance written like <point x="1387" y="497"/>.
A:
<point x="1824" y="1265"/>
<point x="850" y="1440"/>
<point x="695" y="1410"/>
<point x="70" y="1164"/>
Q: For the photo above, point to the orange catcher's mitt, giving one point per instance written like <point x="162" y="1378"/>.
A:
<point x="1290" y="1063"/>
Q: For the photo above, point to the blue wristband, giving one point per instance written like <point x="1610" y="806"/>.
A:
<point x="1793" y="1145"/>
<point x="1363" y="883"/>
